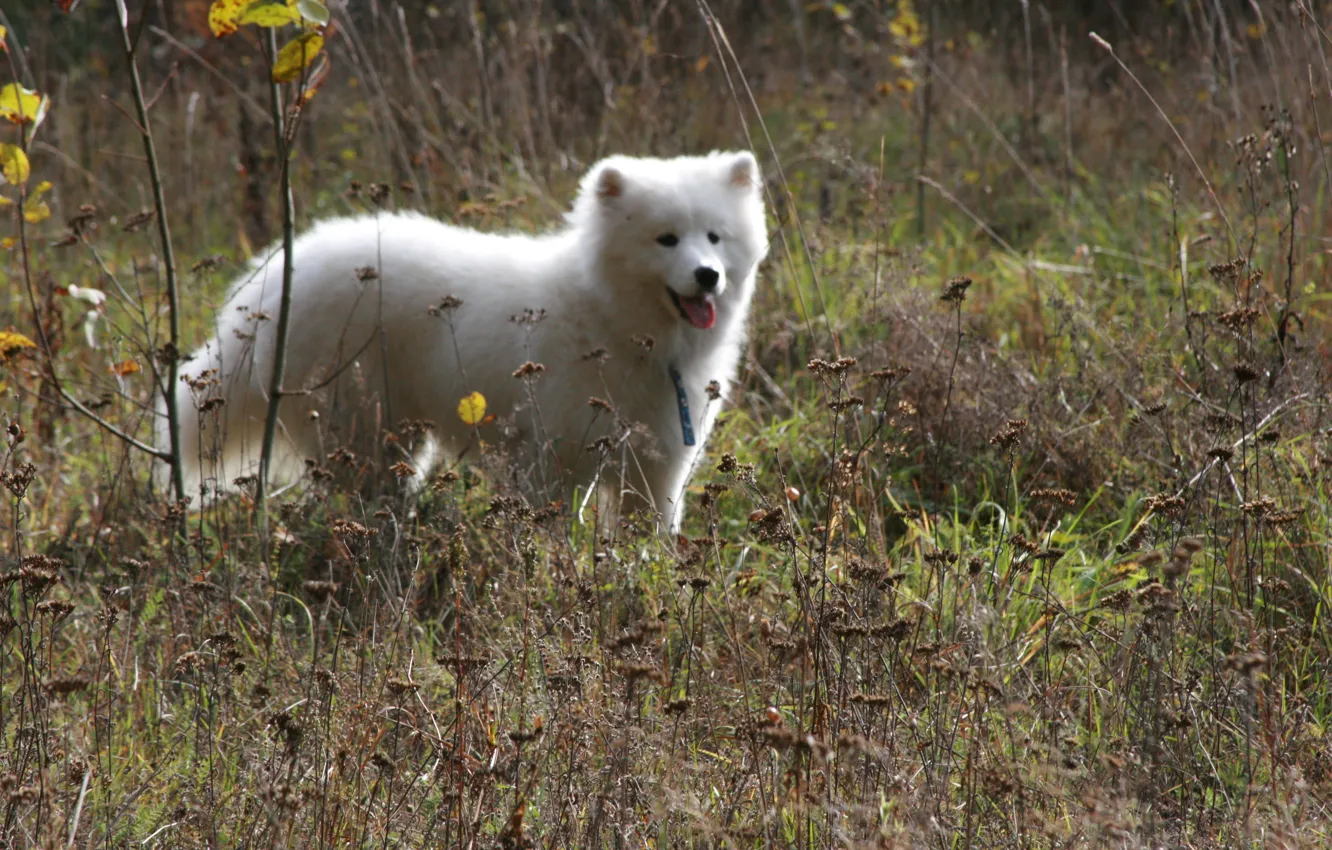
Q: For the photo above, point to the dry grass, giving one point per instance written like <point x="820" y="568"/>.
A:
<point x="1041" y="560"/>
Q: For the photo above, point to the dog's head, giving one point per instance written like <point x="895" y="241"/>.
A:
<point x="687" y="231"/>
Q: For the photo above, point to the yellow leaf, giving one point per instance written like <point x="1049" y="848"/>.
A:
<point x="12" y="341"/>
<point x="22" y="106"/>
<point x="124" y="367"/>
<point x="906" y="26"/>
<point x="224" y="16"/>
<point x="14" y="164"/>
<point x="4" y="46"/>
<point x="472" y="408"/>
<point x="295" y="56"/>
<point x="5" y="202"/>
<point x="34" y="208"/>
<point x="270" y="15"/>
<point x="7" y="243"/>
<point x="35" y="212"/>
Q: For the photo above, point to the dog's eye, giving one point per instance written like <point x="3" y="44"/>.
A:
<point x="713" y="237"/>
<point x="668" y="240"/>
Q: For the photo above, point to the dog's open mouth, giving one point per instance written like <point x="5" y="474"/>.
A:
<point x="700" y="311"/>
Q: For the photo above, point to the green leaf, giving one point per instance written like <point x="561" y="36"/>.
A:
<point x="313" y="11"/>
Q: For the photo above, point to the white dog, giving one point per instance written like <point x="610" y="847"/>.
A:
<point x="631" y="318"/>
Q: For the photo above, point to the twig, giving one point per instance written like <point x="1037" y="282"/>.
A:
<point x="1253" y="432"/>
<point x="948" y="396"/>
<point x="995" y="132"/>
<point x="161" y="90"/>
<point x="980" y="222"/>
<point x="725" y="51"/>
<point x="1220" y="210"/>
<point x="926" y="112"/>
<point x="282" y="139"/>
<point x="208" y="66"/>
<point x="44" y="342"/>
<point x="172" y="357"/>
<point x="49" y="355"/>
<point x="123" y="111"/>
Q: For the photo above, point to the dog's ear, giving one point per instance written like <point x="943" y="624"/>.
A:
<point x="743" y="172"/>
<point x="610" y="183"/>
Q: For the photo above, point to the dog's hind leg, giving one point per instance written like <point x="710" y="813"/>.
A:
<point x="424" y="460"/>
<point x="657" y="487"/>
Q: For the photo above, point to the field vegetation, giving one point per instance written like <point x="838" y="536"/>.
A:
<point x="1015" y="534"/>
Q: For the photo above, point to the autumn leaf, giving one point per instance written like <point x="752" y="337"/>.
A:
<point x="295" y="56"/>
<point x="906" y="26"/>
<point x="270" y="15"/>
<point x="34" y="212"/>
<point x="14" y="165"/>
<point x="124" y="367"/>
<point x="224" y="16"/>
<point x="12" y="341"/>
<point x="472" y="408"/>
<point x="34" y="208"/>
<point x="22" y="106"/>
<point x="4" y="45"/>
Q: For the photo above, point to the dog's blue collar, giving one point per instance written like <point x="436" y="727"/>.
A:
<point x="682" y="400"/>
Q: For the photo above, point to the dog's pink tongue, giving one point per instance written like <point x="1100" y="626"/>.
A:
<point x="701" y="311"/>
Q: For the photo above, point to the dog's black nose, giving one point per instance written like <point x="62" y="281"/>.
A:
<point x="706" y="277"/>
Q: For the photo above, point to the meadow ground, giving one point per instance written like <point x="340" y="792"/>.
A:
<point x="1014" y="535"/>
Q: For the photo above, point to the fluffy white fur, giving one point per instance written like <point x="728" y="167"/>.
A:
<point x="604" y="281"/>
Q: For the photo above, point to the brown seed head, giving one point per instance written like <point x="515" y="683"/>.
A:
<point x="956" y="290"/>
